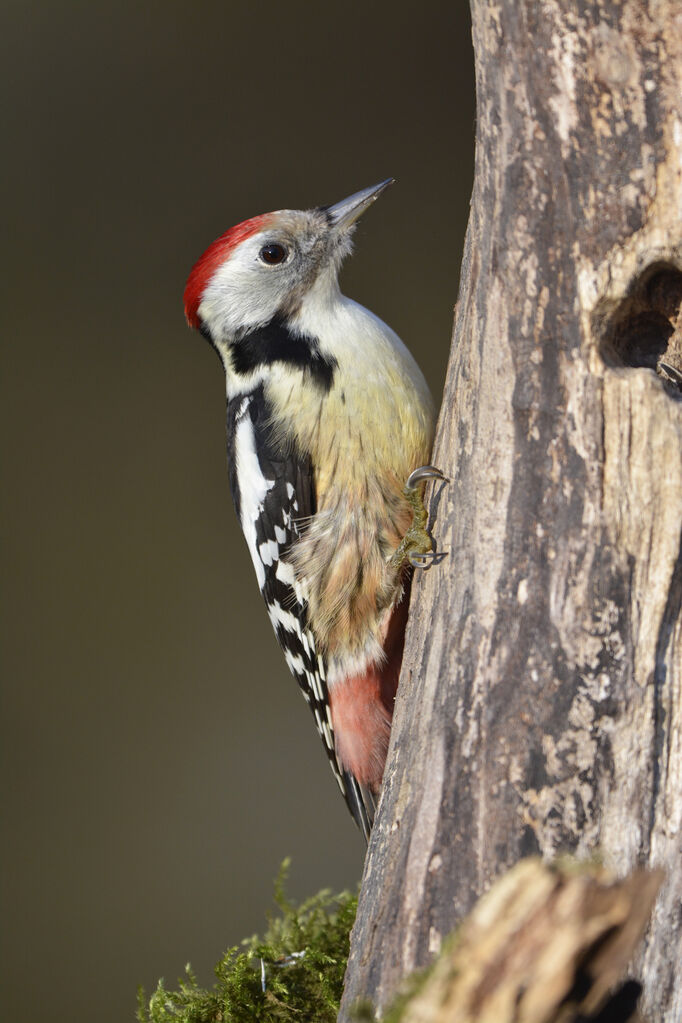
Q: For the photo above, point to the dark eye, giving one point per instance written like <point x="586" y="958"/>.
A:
<point x="273" y="254"/>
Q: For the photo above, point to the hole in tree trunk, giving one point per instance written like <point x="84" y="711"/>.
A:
<point x="645" y="330"/>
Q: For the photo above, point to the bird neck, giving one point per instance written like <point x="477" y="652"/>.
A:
<point x="319" y="304"/>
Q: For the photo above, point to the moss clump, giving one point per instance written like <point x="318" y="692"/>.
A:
<point x="300" y="961"/>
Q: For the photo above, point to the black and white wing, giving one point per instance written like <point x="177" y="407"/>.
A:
<point x="274" y="494"/>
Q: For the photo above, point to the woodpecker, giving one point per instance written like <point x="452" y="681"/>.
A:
<point x="329" y="424"/>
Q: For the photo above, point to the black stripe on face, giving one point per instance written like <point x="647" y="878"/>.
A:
<point x="275" y="342"/>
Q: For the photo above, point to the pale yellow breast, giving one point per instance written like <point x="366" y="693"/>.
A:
<point x="365" y="437"/>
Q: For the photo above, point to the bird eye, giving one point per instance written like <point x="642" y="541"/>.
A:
<point x="273" y="254"/>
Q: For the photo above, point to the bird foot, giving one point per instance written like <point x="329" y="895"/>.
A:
<point x="416" y="547"/>
<point x="422" y="474"/>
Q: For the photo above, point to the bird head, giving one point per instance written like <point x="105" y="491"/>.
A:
<point x="266" y="267"/>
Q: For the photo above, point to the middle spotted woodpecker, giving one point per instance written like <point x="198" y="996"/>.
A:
<point x="329" y="422"/>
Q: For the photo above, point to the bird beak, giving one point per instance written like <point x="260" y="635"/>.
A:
<point x="343" y="214"/>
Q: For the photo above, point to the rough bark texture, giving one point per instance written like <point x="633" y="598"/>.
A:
<point x="540" y="702"/>
<point x="544" y="945"/>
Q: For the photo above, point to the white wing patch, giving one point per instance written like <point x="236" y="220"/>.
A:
<point x="253" y="486"/>
<point x="269" y="552"/>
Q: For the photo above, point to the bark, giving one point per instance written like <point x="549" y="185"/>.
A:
<point x="543" y="946"/>
<point x="539" y="708"/>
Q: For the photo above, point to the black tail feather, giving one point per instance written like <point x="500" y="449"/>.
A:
<point x="361" y="803"/>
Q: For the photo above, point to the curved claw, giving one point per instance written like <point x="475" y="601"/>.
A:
<point x="423" y="473"/>
<point x="422" y="560"/>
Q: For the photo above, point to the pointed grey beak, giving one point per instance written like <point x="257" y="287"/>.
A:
<point x="343" y="214"/>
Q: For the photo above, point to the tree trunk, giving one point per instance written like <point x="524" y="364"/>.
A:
<point x="543" y="945"/>
<point x="540" y="701"/>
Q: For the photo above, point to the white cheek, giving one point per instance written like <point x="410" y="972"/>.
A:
<point x="242" y="293"/>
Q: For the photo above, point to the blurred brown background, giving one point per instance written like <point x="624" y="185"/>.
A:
<point x="159" y="762"/>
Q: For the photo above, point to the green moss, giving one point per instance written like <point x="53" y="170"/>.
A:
<point x="303" y="955"/>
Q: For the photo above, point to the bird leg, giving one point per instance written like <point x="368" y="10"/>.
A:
<point x="416" y="547"/>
